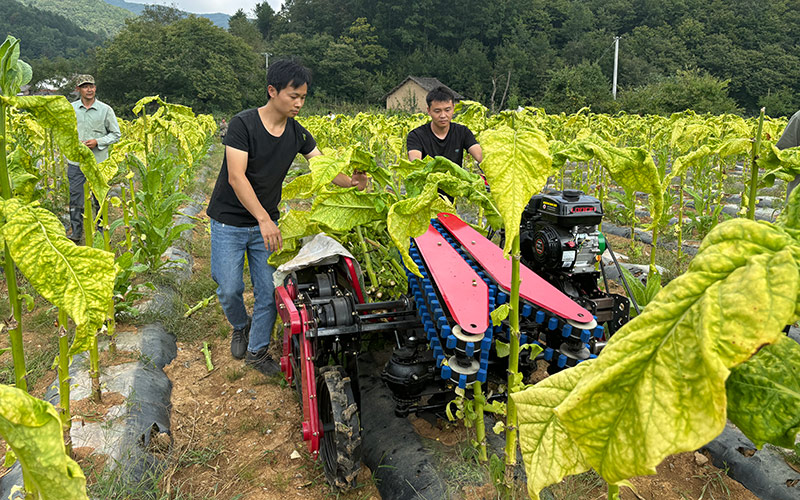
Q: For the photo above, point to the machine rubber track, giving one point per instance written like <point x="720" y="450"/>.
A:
<point x="340" y="445"/>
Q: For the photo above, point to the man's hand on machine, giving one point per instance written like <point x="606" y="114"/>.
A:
<point x="273" y="241"/>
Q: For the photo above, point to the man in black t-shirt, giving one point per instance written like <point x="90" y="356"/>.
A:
<point x="260" y="146"/>
<point x="441" y="137"/>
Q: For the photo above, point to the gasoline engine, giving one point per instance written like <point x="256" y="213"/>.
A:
<point x="560" y="241"/>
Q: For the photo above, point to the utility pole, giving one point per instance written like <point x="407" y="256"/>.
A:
<point x="616" y="62"/>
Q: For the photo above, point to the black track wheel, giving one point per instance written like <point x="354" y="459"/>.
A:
<point x="340" y="447"/>
<point x="297" y="374"/>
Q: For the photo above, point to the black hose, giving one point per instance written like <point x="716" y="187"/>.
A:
<point x="622" y="276"/>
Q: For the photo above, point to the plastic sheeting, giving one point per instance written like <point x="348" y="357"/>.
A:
<point x="320" y="251"/>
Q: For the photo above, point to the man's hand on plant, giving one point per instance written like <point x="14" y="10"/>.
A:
<point x="90" y="143"/>
<point x="273" y="241"/>
<point x="359" y="179"/>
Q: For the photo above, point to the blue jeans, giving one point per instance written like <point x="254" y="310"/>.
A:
<point x="228" y="246"/>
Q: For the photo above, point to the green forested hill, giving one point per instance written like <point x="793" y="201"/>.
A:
<point x="44" y="34"/>
<point x="218" y="18"/>
<point x="93" y="15"/>
<point x="472" y="43"/>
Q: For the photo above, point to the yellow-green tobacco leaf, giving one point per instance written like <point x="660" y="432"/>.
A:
<point x="682" y="163"/>
<point x="517" y="164"/>
<point x="23" y="183"/>
<point x="365" y="162"/>
<point x="141" y="103"/>
<point x="471" y="114"/>
<point x="548" y="450"/>
<point x="631" y="168"/>
<point x="764" y="395"/>
<point x="56" y="113"/>
<point x="341" y="210"/>
<point x="411" y="217"/>
<point x="294" y="226"/>
<point x="784" y="164"/>
<point x="324" y="168"/>
<point x="417" y="181"/>
<point x="277" y="259"/>
<point x="790" y="217"/>
<point x="499" y="314"/>
<point x="687" y="135"/>
<point x="299" y="187"/>
<point x="502" y="349"/>
<point x="179" y="111"/>
<point x="77" y="279"/>
<point x="404" y="167"/>
<point x="658" y="388"/>
<point x="734" y="146"/>
<point x="33" y="430"/>
<point x="14" y="73"/>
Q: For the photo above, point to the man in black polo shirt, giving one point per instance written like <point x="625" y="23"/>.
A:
<point x="260" y="146"/>
<point x="441" y="137"/>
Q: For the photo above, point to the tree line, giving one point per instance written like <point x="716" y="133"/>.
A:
<point x="707" y="55"/>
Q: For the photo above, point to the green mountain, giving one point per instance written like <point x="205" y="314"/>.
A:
<point x="44" y="34"/>
<point x="217" y="18"/>
<point x="92" y="15"/>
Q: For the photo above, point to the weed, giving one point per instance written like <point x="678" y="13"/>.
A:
<point x="576" y="487"/>
<point x="281" y="481"/>
<point x="199" y="456"/>
<point x="715" y="482"/>
<point x="254" y="423"/>
<point x="234" y="374"/>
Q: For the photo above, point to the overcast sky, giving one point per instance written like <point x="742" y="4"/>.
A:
<point x="208" y="6"/>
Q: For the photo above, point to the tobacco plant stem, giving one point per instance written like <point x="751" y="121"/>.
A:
<point x="613" y="492"/>
<point x="134" y="208"/>
<point x="88" y="218"/>
<point x="110" y="322"/>
<point x="94" y="369"/>
<point x="88" y="231"/>
<point x="680" y="219"/>
<point x="15" y="332"/>
<point x="373" y="279"/>
<point x="480" y="423"/>
<point x="653" y="248"/>
<point x="751" y="209"/>
<point x="513" y="366"/>
<point x="63" y="379"/>
<point x="126" y="219"/>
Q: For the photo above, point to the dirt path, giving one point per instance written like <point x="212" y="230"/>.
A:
<point x="236" y="433"/>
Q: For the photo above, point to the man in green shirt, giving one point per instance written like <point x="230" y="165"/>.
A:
<point x="97" y="129"/>
<point x="789" y="139"/>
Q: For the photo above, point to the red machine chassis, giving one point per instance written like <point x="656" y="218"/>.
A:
<point x="297" y="321"/>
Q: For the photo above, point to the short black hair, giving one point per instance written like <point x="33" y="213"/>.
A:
<point x="287" y="73"/>
<point x="440" y="94"/>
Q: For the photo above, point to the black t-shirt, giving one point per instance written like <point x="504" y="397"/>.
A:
<point x="268" y="160"/>
<point x="458" y="139"/>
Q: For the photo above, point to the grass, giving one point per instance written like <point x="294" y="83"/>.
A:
<point x="199" y="456"/>
<point x="578" y="487"/>
<point x="256" y="423"/>
<point x="37" y="361"/>
<point x="714" y="483"/>
<point x="234" y="374"/>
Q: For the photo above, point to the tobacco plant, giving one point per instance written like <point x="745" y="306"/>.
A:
<point x="75" y="279"/>
<point x="659" y="386"/>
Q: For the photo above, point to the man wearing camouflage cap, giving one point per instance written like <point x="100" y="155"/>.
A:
<point x="97" y="129"/>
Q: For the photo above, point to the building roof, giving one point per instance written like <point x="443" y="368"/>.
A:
<point x="426" y="83"/>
